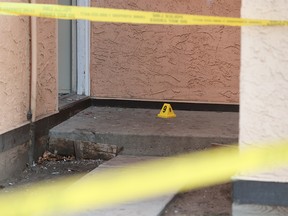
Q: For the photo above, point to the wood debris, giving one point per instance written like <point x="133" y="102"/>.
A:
<point x="48" y="156"/>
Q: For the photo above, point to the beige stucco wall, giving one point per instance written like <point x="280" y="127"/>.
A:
<point x="15" y="69"/>
<point x="264" y="81"/>
<point x="47" y="93"/>
<point x="15" y="79"/>
<point x="155" y="62"/>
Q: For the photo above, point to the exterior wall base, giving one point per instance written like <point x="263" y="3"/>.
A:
<point x="13" y="161"/>
<point x="14" y="143"/>
<point x="258" y="210"/>
<point x="146" y="104"/>
<point x="259" y="198"/>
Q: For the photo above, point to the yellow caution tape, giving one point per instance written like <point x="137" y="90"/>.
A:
<point x="127" y="16"/>
<point x="151" y="178"/>
<point x="145" y="180"/>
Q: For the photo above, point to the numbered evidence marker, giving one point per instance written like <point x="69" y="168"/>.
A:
<point x="166" y="112"/>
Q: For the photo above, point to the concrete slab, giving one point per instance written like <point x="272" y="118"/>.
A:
<point x="151" y="207"/>
<point x="140" y="132"/>
<point x="69" y="100"/>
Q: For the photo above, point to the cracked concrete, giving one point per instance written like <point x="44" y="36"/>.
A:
<point x="140" y="132"/>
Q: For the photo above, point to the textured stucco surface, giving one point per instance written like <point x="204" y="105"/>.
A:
<point x="15" y="67"/>
<point x="192" y="63"/>
<point x="264" y="80"/>
<point x="14" y="70"/>
<point x="47" y="95"/>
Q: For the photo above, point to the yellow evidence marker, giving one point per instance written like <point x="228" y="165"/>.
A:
<point x="166" y="112"/>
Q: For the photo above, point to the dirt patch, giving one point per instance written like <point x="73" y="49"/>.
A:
<point x="50" y="169"/>
<point x="212" y="201"/>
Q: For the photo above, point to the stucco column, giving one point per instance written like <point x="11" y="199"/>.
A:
<point x="263" y="103"/>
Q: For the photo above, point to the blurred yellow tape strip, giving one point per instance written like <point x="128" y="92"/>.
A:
<point x="127" y="16"/>
<point x="149" y="179"/>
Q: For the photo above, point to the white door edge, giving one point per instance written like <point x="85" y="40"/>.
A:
<point x="74" y="54"/>
<point x="83" y="53"/>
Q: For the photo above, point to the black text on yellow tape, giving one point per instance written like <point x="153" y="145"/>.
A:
<point x="126" y="16"/>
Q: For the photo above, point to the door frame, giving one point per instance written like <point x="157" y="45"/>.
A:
<point x="83" y="53"/>
<point x="74" y="74"/>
